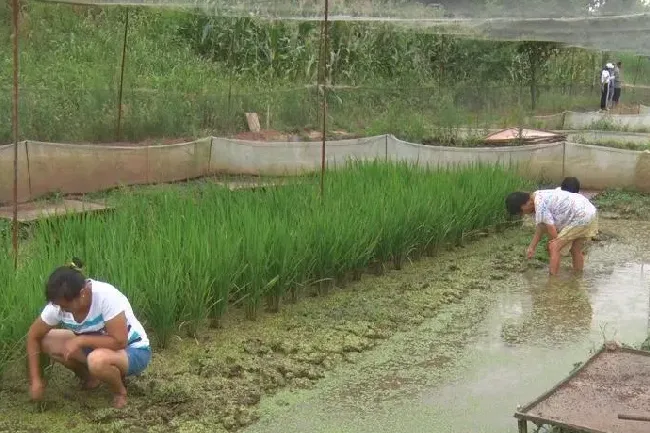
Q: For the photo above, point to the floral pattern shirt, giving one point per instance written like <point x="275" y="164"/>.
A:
<point x="563" y="209"/>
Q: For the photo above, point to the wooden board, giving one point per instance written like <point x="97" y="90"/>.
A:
<point x="28" y="212"/>
<point x="591" y="398"/>
<point x="253" y="122"/>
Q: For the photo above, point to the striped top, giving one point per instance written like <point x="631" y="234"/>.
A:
<point x="107" y="303"/>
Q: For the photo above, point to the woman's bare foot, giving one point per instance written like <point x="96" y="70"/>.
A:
<point x="119" y="400"/>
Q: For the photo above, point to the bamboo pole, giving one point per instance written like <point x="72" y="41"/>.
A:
<point x="323" y="66"/>
<point x="634" y="417"/>
<point x="119" y="95"/>
<point x="14" y="121"/>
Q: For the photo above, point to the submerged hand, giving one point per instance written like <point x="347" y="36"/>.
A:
<point x="530" y="253"/>
<point x="36" y="390"/>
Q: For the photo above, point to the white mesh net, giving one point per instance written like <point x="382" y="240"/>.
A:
<point x="620" y="25"/>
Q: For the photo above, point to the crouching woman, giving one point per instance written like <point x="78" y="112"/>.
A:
<point x="101" y="340"/>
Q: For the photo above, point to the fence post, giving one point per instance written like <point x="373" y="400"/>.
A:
<point x="636" y="75"/>
<point x="386" y="147"/>
<point x="148" y="177"/>
<point x="119" y="95"/>
<point x="29" y="171"/>
<point x="323" y="66"/>
<point x="563" y="159"/>
<point x="210" y="156"/>
<point x="15" y="128"/>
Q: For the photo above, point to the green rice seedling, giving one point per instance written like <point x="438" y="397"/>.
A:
<point x="399" y="210"/>
<point x="160" y="280"/>
<point x="434" y="212"/>
<point x="292" y="206"/>
<point x="260" y="246"/>
<point x="286" y="207"/>
<point x="21" y="300"/>
<point x="195" y="272"/>
<point x="409" y="228"/>
<point x="226" y="265"/>
<point x="331" y="242"/>
<point x="284" y="264"/>
<point x="186" y="253"/>
<point x="360" y="252"/>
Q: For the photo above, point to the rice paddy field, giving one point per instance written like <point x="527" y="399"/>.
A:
<point x="187" y="254"/>
<point x="254" y="332"/>
<point x="251" y="292"/>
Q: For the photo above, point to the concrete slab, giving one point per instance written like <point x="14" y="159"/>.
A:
<point x="28" y="212"/>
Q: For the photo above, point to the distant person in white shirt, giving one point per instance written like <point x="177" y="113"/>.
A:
<point x="567" y="218"/>
<point x="607" y="81"/>
<point x="101" y="339"/>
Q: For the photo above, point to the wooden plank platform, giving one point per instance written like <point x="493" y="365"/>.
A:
<point x="29" y="212"/>
<point x="610" y="383"/>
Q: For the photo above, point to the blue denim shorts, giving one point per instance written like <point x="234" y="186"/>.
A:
<point x="139" y="359"/>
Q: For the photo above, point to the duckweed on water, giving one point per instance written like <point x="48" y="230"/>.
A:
<point x="214" y="382"/>
<point x="183" y="254"/>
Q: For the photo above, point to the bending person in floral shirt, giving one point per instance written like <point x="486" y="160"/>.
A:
<point x="567" y="218"/>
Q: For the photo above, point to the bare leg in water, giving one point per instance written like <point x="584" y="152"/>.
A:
<point x="577" y="255"/>
<point x="555" y="253"/>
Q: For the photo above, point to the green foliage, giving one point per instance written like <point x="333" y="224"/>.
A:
<point x="612" y="142"/>
<point x="626" y="204"/>
<point x="188" y="75"/>
<point x="184" y="254"/>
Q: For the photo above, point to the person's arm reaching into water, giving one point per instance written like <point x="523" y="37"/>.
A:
<point x="545" y="223"/>
<point x="539" y="232"/>
<point x="36" y="333"/>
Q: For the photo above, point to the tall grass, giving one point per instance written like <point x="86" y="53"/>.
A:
<point x="184" y="254"/>
<point x="189" y="75"/>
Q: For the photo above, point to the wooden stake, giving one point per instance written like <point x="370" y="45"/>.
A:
<point x="323" y="83"/>
<point x="634" y="417"/>
<point x="15" y="128"/>
<point x="119" y="95"/>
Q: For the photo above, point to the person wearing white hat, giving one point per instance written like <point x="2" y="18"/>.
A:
<point x="607" y="81"/>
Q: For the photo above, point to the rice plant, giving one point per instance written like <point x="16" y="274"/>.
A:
<point x="184" y="253"/>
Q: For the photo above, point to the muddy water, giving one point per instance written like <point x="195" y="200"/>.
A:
<point x="467" y="370"/>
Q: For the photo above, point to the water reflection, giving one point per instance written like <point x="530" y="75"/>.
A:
<point x="560" y="312"/>
<point x="621" y="303"/>
<point x="475" y="372"/>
